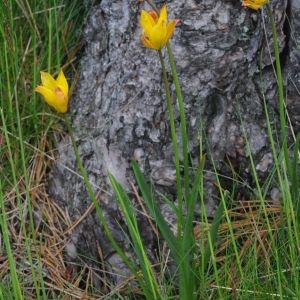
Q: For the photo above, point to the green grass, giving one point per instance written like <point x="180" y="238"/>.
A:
<point x="35" y="35"/>
<point x="249" y="251"/>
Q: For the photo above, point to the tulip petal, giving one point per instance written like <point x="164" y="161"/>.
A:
<point x="254" y="4"/>
<point x="55" y="99"/>
<point x="49" y="95"/>
<point x="61" y="81"/>
<point x="147" y="43"/>
<point x="48" y="81"/>
<point x="61" y="100"/>
<point x="154" y="15"/>
<point x="163" y="14"/>
<point x="170" y="29"/>
<point x="158" y="35"/>
<point x="147" y="22"/>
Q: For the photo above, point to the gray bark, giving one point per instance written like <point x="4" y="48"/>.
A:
<point x="119" y="111"/>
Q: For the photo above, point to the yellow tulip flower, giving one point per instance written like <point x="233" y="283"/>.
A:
<point x="254" y="4"/>
<point x="55" y="91"/>
<point x="156" y="29"/>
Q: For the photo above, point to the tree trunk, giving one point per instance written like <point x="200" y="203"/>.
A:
<point x="224" y="56"/>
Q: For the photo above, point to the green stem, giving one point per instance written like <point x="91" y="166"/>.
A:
<point x="181" y="112"/>
<point x="175" y="144"/>
<point x="280" y="87"/>
<point x="182" y="122"/>
<point x="94" y="199"/>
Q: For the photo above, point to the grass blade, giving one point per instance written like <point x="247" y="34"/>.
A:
<point x="156" y="213"/>
<point x="147" y="281"/>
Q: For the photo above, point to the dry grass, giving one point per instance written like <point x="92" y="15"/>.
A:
<point x="248" y="222"/>
<point x="52" y="229"/>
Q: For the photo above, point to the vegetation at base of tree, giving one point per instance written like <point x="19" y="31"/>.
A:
<point x="249" y="250"/>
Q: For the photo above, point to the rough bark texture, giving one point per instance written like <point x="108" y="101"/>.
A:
<point x="119" y="112"/>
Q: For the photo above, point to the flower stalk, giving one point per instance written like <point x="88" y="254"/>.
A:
<point x="182" y="121"/>
<point x="93" y="196"/>
<point x="282" y="114"/>
<point x="185" y="238"/>
<point x="175" y="145"/>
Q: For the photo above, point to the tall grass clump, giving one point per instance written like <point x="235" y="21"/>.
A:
<point x="249" y="250"/>
<point x="35" y="35"/>
<point x="267" y="231"/>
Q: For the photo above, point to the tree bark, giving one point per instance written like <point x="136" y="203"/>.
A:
<point x="224" y="56"/>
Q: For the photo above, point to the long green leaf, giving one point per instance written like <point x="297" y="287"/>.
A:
<point x="187" y="272"/>
<point x="295" y="189"/>
<point x="191" y="204"/>
<point x="213" y="232"/>
<point x="149" y="284"/>
<point x="5" y="233"/>
<point x="156" y="213"/>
